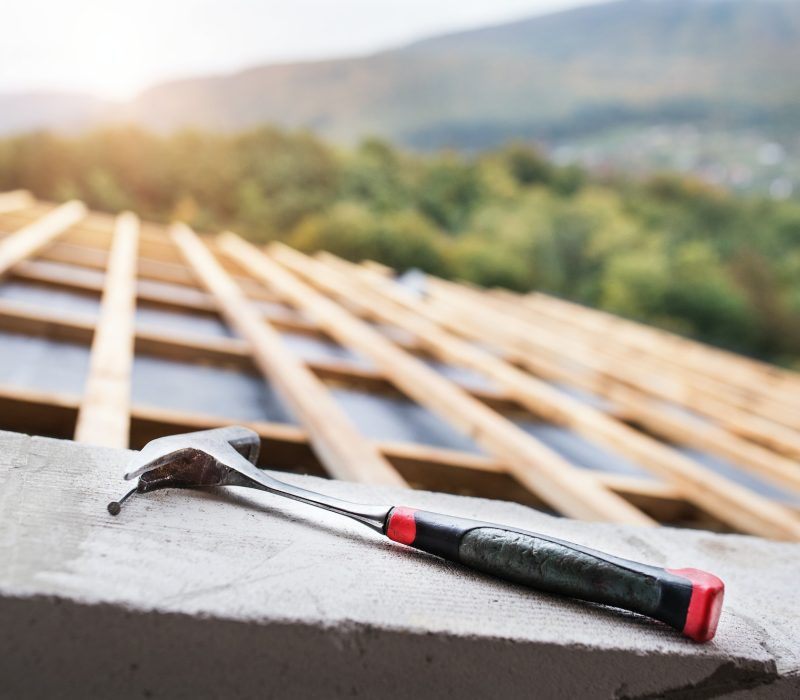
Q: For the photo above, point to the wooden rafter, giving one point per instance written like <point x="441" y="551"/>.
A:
<point x="104" y="416"/>
<point x="730" y="368"/>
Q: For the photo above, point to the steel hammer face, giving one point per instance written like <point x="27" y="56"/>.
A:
<point x="205" y="458"/>
<point x="195" y="454"/>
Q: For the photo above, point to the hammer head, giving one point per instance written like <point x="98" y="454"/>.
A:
<point x="204" y="458"/>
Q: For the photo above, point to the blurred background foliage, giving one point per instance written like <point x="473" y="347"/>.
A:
<point x="667" y="250"/>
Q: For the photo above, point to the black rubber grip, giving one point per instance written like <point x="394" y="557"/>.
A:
<point x="556" y="566"/>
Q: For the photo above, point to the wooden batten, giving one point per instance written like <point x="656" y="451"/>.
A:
<point x="32" y="238"/>
<point x="715" y="494"/>
<point x="15" y="201"/>
<point x="658" y="418"/>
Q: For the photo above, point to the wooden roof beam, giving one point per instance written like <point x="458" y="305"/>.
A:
<point x="702" y="358"/>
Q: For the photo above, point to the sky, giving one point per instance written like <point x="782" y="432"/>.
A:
<point x="115" y="48"/>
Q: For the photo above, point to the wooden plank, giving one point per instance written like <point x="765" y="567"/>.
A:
<point x="666" y="422"/>
<point x="724" y="499"/>
<point x="343" y="451"/>
<point x="83" y="279"/>
<point x="104" y="415"/>
<point x="16" y="200"/>
<point x="778" y="436"/>
<point x="69" y="327"/>
<point x="13" y="220"/>
<point x="154" y="243"/>
<point x="30" y="239"/>
<point x="551" y="477"/>
<point x="93" y="233"/>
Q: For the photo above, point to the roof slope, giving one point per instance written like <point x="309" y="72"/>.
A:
<point x="117" y="331"/>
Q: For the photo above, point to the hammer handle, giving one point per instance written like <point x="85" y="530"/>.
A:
<point x="689" y="600"/>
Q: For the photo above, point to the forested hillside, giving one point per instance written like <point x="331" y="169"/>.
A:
<point x="673" y="252"/>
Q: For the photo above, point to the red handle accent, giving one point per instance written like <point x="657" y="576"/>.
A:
<point x="402" y="527"/>
<point x="705" y="604"/>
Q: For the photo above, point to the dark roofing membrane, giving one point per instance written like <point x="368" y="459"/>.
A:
<point x="395" y="418"/>
<point x="464" y="376"/>
<point x="735" y="473"/>
<point x="310" y="348"/>
<point x="45" y="365"/>
<point x="213" y="391"/>
<point x="581" y="451"/>
<point x="50" y="299"/>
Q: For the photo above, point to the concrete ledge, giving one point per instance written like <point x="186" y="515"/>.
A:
<point x="238" y="593"/>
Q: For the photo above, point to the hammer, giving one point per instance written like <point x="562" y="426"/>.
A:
<point x="689" y="600"/>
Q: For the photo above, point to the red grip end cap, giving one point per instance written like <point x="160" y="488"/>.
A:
<point x="705" y="604"/>
<point x="402" y="526"/>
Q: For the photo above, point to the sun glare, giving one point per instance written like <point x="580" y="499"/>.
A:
<point x="115" y="49"/>
<point x="111" y="50"/>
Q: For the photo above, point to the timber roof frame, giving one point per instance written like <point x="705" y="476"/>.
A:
<point x="660" y="389"/>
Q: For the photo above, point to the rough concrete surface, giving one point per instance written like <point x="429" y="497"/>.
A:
<point x="236" y="593"/>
